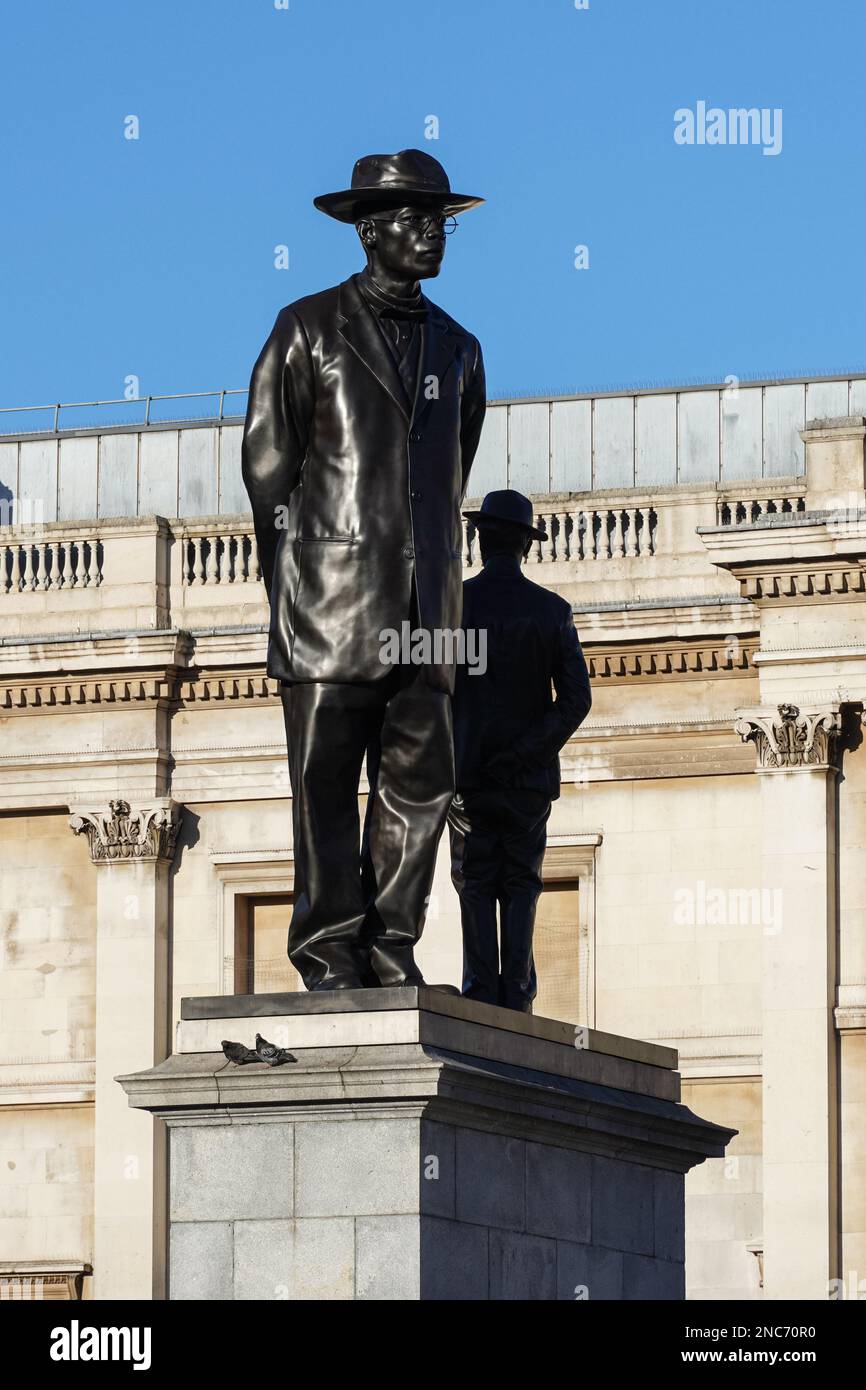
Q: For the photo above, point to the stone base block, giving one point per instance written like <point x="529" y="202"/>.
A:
<point x="434" y="1148"/>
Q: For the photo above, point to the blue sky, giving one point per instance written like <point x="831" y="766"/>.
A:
<point x="155" y="257"/>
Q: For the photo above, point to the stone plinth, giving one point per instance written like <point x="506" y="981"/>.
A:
<point x="422" y="1146"/>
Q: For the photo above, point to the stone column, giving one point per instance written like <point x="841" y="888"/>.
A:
<point x="796" y="757"/>
<point x="132" y="848"/>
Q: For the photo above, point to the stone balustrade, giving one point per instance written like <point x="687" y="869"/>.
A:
<point x="584" y="533"/>
<point x="141" y="573"/>
<point x="62" y="558"/>
<point x="216" y="555"/>
<point x="733" y="511"/>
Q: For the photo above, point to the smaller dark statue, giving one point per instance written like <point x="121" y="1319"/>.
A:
<point x="263" y="1051"/>
<point x="508" y="732"/>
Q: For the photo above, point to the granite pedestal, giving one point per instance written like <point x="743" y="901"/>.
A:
<point x="422" y="1146"/>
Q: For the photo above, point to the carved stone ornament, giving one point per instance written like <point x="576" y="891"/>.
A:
<point x="125" y="832"/>
<point x="789" y="737"/>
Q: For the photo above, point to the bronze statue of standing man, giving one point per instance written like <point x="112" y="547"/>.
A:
<point x="365" y="411"/>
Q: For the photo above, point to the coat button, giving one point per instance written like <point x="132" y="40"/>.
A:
<point x="417" y="495"/>
<point x="408" y="552"/>
<point x="415" y="437"/>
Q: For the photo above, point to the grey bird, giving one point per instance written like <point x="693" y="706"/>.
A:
<point x="263" y="1051"/>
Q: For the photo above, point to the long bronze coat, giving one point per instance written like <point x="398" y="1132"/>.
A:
<point x="354" y="487"/>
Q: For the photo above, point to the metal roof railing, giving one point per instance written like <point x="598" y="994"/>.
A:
<point x="57" y="425"/>
<point x="154" y="412"/>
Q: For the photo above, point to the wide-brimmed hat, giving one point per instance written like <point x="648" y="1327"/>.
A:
<point x="394" y="180"/>
<point x="508" y="505"/>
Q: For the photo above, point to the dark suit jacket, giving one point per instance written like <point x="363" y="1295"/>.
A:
<point x="509" y="713"/>
<point x="370" y="483"/>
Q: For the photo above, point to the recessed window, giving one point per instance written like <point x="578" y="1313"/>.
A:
<point x="35" y="1281"/>
<point x="262" y="965"/>
<point x="556" y="951"/>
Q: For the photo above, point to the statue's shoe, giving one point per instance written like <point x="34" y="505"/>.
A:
<point x="394" y="965"/>
<point x="338" y="982"/>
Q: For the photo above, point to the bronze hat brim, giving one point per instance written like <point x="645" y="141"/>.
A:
<point x="351" y="203"/>
<point x="534" y="531"/>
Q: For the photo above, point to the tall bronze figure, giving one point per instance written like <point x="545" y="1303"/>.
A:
<point x="365" y="411"/>
<point x="508" y="731"/>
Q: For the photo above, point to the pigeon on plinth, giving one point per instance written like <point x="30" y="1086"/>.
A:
<point x="263" y="1051"/>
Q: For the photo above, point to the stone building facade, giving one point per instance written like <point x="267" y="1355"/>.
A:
<point x="704" y="881"/>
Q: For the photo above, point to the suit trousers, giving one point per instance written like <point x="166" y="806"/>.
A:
<point x="361" y="899"/>
<point x="498" y="838"/>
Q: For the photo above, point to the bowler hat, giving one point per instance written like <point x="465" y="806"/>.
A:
<point x="394" y="180"/>
<point x="511" y="506"/>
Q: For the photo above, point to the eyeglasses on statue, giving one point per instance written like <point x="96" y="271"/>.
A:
<point x="421" y="222"/>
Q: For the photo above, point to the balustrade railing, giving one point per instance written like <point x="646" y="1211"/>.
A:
<point x="49" y="562"/>
<point x="220" y="557"/>
<point x="733" y="511"/>
<point x="217" y="551"/>
<point x="584" y="534"/>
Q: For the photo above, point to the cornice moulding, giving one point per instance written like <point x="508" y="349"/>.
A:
<point x="615" y="728"/>
<point x="232" y="857"/>
<point x="62" y="757"/>
<point x="637" y="752"/>
<point x="63" y="694"/>
<point x="845" y="651"/>
<point x="794" y="582"/>
<point x="47" y="1082"/>
<point x="678" y="659"/>
<point x="850" y="1018"/>
<point x="169" y="686"/>
<point x="809" y="556"/>
<point x="668" y="616"/>
<point x="580" y="839"/>
<point x="134" y="658"/>
<point x="832" y="428"/>
<point x="192" y="751"/>
<point x="232" y="685"/>
<point x="89" y="526"/>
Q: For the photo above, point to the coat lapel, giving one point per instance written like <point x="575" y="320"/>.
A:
<point x="437" y="356"/>
<point x="360" y="330"/>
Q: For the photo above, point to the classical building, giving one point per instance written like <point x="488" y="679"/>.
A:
<point x="706" y="873"/>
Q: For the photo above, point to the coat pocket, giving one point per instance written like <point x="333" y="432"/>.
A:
<point x="328" y="540"/>
<point x="332" y="593"/>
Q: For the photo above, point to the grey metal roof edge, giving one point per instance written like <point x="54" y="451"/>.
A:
<point x="667" y="388"/>
<point x="501" y="398"/>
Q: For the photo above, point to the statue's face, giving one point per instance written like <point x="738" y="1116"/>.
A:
<point x="409" y="242"/>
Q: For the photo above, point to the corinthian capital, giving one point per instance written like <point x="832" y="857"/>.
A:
<point x="790" y="737"/>
<point x="123" y="832"/>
